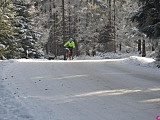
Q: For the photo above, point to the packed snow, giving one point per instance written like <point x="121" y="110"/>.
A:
<point x="32" y="89"/>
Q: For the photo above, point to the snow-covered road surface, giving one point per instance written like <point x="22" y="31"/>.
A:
<point x="79" y="90"/>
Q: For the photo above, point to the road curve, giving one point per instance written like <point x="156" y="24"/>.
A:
<point x="86" y="90"/>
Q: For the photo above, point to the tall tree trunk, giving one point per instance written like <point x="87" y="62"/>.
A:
<point x="69" y="27"/>
<point x="114" y="25"/>
<point x="112" y="31"/>
<point x="139" y="46"/>
<point x="143" y="49"/>
<point x="63" y="22"/>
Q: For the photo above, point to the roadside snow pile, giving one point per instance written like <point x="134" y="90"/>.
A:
<point x="84" y="57"/>
<point x="116" y="55"/>
<point x="128" y="58"/>
<point x="108" y="55"/>
<point x="134" y="59"/>
<point x="140" y="61"/>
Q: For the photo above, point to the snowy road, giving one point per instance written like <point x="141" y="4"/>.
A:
<point x="84" y="90"/>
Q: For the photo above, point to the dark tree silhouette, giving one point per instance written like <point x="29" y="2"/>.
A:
<point x="148" y="18"/>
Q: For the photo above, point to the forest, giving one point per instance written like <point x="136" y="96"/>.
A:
<point x="39" y="28"/>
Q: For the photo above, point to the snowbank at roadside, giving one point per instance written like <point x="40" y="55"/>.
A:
<point x="132" y="59"/>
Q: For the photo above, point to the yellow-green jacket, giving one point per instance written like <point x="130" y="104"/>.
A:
<point x="70" y="44"/>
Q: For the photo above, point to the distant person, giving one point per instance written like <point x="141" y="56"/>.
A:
<point x="70" y="45"/>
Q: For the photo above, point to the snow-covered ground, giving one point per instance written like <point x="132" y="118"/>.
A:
<point x="47" y="90"/>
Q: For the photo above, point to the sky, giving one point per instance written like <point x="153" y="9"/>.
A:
<point x="40" y="89"/>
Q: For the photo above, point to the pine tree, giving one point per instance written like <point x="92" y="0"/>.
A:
<point x="7" y="30"/>
<point x="26" y="38"/>
<point x="148" y="19"/>
<point x="17" y="35"/>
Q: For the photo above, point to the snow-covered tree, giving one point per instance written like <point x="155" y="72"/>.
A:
<point x="7" y="31"/>
<point x="17" y="34"/>
<point x="147" y="18"/>
<point x="27" y="37"/>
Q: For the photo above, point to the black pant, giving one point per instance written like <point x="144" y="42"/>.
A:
<point x="71" y="50"/>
